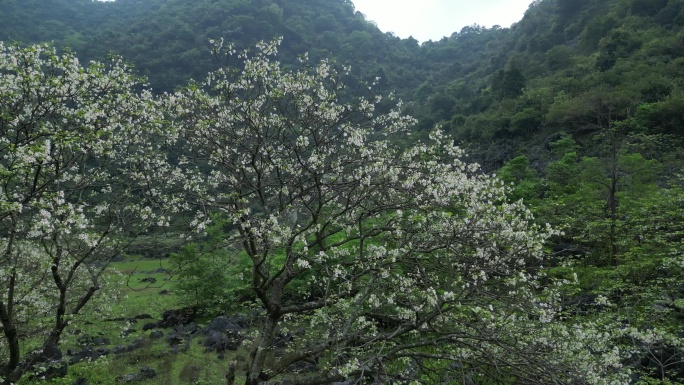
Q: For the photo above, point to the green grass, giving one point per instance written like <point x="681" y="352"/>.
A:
<point x="193" y="366"/>
<point x="144" y="297"/>
<point x="189" y="367"/>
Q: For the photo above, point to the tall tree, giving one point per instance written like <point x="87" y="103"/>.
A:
<point x="410" y="264"/>
<point x="76" y="162"/>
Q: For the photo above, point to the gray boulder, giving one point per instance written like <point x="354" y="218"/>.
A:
<point x="157" y="334"/>
<point x="87" y="354"/>
<point x="219" y="342"/>
<point x="51" y="359"/>
<point x="145" y="373"/>
<point x="222" y="324"/>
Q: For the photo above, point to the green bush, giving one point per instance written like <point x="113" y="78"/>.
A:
<point x="210" y="275"/>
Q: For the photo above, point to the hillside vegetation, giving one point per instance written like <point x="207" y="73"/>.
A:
<point x="578" y="108"/>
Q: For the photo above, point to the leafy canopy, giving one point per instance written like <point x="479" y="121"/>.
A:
<point x="384" y="258"/>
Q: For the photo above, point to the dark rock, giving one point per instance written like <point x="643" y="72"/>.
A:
<point x="171" y="318"/>
<point x="150" y="326"/>
<point x="245" y="320"/>
<point x="88" y="340"/>
<point x="215" y="341"/>
<point x="222" y="324"/>
<point x="87" y="354"/>
<point x="49" y="358"/>
<point x="130" y="347"/>
<point x="51" y="352"/>
<point x="148" y="372"/>
<point x="190" y="328"/>
<point x="219" y="342"/>
<point x="56" y="369"/>
<point x="145" y="373"/>
<point x="155" y="335"/>
<point x="175" y="338"/>
<point x="182" y="333"/>
<point x="164" y="292"/>
<point x="101" y="341"/>
<point x="149" y="280"/>
<point x="235" y="338"/>
<point x="303" y="367"/>
<point x="143" y="316"/>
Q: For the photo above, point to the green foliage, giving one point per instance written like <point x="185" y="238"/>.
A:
<point x="570" y="6"/>
<point x="401" y="248"/>
<point x="565" y="144"/>
<point x="518" y="173"/>
<point x="622" y="237"/>
<point x="526" y="121"/>
<point x="509" y="83"/>
<point x="664" y="116"/>
<point x="590" y="68"/>
<point x="597" y="204"/>
<point x="73" y="195"/>
<point x="168" y="39"/>
<point x="596" y="30"/>
<point x="558" y="57"/>
<point x="647" y="7"/>
<point x="143" y="280"/>
<point x="618" y="43"/>
<point x="209" y="275"/>
<point x="556" y="47"/>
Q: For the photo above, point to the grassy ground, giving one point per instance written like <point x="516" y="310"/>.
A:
<point x="145" y="278"/>
<point x="149" y="287"/>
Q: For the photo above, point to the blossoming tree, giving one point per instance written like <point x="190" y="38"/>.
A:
<point x="380" y="262"/>
<point x="77" y="162"/>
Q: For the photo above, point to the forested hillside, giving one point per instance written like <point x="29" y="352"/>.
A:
<point x="543" y="75"/>
<point x="168" y="40"/>
<point x="578" y="108"/>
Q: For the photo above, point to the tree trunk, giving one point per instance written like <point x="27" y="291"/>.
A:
<point x="230" y="376"/>
<point x="613" y="207"/>
<point x="8" y="371"/>
<point x="255" y="373"/>
<point x="12" y="338"/>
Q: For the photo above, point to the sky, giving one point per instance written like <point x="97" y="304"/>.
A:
<point x="433" y="19"/>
